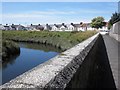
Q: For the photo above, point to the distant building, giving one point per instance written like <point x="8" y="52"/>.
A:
<point x="17" y="27"/>
<point x="47" y="27"/>
<point x="59" y="27"/>
<point x="2" y="27"/>
<point x="74" y="27"/>
<point x="104" y="28"/>
<point x="71" y="27"/>
<point x="63" y="27"/>
<point x="39" y="27"/>
<point x="7" y="27"/>
<point x="35" y="27"/>
<point x="56" y="27"/>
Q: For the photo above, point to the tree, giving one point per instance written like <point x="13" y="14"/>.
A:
<point x="114" y="18"/>
<point x="97" y="22"/>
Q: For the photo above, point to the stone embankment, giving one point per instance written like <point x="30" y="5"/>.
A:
<point x="85" y="65"/>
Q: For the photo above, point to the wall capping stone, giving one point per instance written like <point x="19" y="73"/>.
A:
<point x="66" y="63"/>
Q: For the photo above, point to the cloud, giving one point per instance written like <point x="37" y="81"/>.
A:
<point x="36" y="14"/>
<point x="50" y="16"/>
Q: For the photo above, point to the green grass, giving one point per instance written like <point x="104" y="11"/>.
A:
<point x="63" y="40"/>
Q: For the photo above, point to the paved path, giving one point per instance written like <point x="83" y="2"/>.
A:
<point x="113" y="47"/>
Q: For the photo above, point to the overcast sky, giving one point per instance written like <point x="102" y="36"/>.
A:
<point x="55" y="12"/>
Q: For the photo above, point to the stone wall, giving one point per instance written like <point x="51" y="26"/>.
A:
<point x="115" y="31"/>
<point x="95" y="71"/>
<point x="83" y="66"/>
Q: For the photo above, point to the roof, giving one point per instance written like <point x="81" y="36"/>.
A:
<point x="76" y="25"/>
<point x="59" y="25"/>
<point x="6" y="26"/>
<point x="35" y="26"/>
<point x="85" y="24"/>
<point x="15" y="26"/>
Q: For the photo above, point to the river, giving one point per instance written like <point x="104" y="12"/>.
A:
<point x="30" y="56"/>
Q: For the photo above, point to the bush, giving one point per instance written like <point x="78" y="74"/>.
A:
<point x="9" y="49"/>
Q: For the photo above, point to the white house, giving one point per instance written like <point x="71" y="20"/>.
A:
<point x="104" y="28"/>
<point x="7" y="27"/>
<point x="35" y="27"/>
<point x="88" y="27"/>
<point x="71" y="27"/>
<point x="62" y="27"/>
<point x="77" y="27"/>
<point x="74" y="27"/>
<point x="59" y="27"/>
<point x="54" y="27"/>
<point x="2" y="27"/>
<point x="47" y="27"/>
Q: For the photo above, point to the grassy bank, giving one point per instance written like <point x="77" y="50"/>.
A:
<point x="9" y="49"/>
<point x="63" y="40"/>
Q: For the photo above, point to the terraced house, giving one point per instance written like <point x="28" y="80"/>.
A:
<point x="53" y="27"/>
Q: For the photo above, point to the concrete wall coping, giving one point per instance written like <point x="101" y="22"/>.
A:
<point x="41" y="75"/>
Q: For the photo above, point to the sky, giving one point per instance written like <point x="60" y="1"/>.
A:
<point x="55" y="12"/>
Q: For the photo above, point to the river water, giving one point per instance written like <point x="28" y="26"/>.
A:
<point x="30" y="56"/>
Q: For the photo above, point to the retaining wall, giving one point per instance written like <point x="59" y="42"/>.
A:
<point x="83" y="66"/>
<point x="115" y="31"/>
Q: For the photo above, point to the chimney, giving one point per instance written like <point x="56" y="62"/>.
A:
<point x="81" y="23"/>
<point x="71" y="23"/>
<point x="63" y="24"/>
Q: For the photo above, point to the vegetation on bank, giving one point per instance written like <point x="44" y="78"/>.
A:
<point x="9" y="49"/>
<point x="114" y="18"/>
<point x="62" y="40"/>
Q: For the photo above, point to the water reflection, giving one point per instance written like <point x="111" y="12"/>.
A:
<point x="46" y="48"/>
<point x="30" y="56"/>
<point x="11" y="61"/>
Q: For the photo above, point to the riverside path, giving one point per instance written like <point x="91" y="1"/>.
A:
<point x="113" y="51"/>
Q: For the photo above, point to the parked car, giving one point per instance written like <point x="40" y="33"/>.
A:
<point x="104" y="32"/>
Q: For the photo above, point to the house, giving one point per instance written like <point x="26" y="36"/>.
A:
<point x="47" y="27"/>
<point x="63" y="27"/>
<point x="89" y="27"/>
<point x="13" y="27"/>
<point x="71" y="27"/>
<point x="17" y="27"/>
<point x="20" y="27"/>
<point x="2" y="27"/>
<point x="32" y="27"/>
<point x="105" y="27"/>
<point x="27" y="28"/>
<point x="74" y="27"/>
<point x="39" y="27"/>
<point x="35" y="27"/>
<point x="77" y="27"/>
<point x="54" y="27"/>
<point x="7" y="27"/>
<point x="59" y="27"/>
<point x="83" y="27"/>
